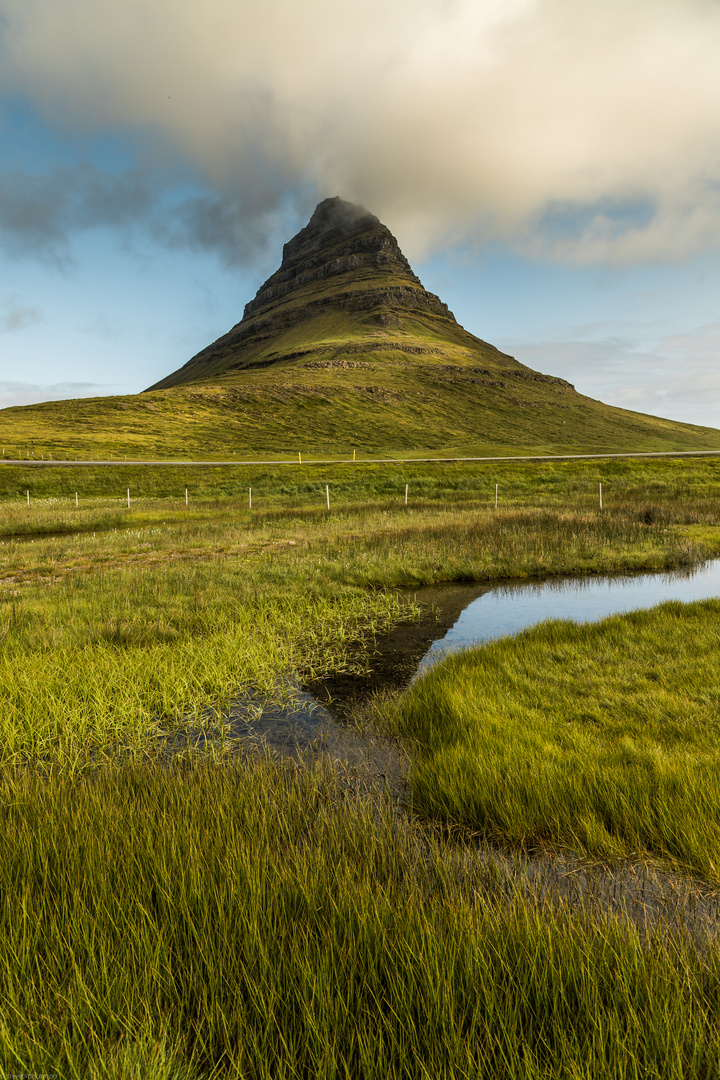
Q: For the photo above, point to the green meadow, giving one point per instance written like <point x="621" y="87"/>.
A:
<point x="220" y="914"/>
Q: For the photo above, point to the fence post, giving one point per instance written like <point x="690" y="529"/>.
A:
<point x="28" y="497"/>
<point x="186" y="498"/>
<point x="406" y="491"/>
<point x="496" y="487"/>
<point x="76" y="500"/>
<point x="327" y="495"/>
<point x="128" y="497"/>
<point x="249" y="498"/>
<point x="600" y="493"/>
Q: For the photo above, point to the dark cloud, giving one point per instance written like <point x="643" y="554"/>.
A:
<point x="239" y="227"/>
<point x="41" y="214"/>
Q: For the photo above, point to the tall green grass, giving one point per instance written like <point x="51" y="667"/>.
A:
<point x="113" y="660"/>
<point x="601" y="738"/>
<point x="256" y="923"/>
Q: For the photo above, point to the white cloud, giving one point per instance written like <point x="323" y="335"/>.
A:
<point x="676" y="377"/>
<point x="447" y="118"/>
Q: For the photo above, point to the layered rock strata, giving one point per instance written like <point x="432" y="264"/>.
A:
<point x="344" y="260"/>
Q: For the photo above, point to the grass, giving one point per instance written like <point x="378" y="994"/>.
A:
<point x="602" y="738"/>
<point x="181" y="919"/>
<point x="198" y="921"/>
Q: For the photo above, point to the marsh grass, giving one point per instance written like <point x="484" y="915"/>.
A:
<point x="114" y="659"/>
<point x="189" y="920"/>
<point x="195" y="921"/>
<point x="108" y="638"/>
<point x="602" y="738"/>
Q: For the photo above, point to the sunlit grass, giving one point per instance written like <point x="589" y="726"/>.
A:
<point x="603" y="738"/>
<point x="216" y="918"/>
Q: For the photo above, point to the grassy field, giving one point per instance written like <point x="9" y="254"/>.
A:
<point x="179" y="919"/>
<point x="119" y="623"/>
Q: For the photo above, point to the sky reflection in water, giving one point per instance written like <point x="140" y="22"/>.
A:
<point x="506" y="609"/>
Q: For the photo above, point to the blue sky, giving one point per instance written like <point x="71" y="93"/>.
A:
<point x="550" y="167"/>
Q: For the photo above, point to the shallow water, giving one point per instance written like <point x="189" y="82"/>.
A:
<point x="303" y="720"/>
<point x="510" y="607"/>
<point x="309" y="727"/>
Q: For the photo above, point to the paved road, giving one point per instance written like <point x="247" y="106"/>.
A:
<point x="381" y="461"/>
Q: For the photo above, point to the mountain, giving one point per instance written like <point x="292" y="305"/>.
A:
<point x="343" y="348"/>
<point x="344" y="289"/>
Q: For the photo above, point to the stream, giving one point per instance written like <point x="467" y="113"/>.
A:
<point x="309" y="726"/>
<point x="311" y="718"/>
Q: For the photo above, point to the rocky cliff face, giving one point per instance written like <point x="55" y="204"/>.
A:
<point x="340" y="241"/>
<point x="344" y="261"/>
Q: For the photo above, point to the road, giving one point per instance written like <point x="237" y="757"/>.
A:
<point x="378" y="461"/>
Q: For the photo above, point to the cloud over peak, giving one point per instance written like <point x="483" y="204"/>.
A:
<point x="574" y="129"/>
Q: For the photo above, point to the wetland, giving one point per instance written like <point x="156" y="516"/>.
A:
<point x="390" y="903"/>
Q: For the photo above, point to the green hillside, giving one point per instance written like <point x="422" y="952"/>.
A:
<point x="342" y="349"/>
<point x="384" y="408"/>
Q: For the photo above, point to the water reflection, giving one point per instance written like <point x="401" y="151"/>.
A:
<point x="506" y="609"/>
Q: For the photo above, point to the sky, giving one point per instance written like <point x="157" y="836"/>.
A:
<point x="551" y="168"/>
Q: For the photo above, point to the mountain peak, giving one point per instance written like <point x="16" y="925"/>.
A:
<point x="340" y="241"/>
<point x="332" y="218"/>
<point x="342" y="276"/>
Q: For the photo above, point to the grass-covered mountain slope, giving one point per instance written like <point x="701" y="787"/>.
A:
<point x="343" y="348"/>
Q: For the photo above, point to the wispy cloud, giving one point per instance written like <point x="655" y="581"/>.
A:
<point x="676" y="377"/>
<point x="26" y="393"/>
<point x="15" y="314"/>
